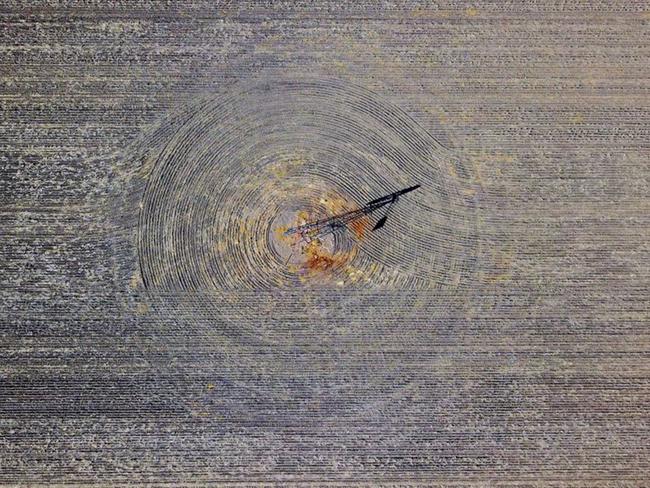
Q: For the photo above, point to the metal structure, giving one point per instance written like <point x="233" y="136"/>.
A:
<point x="320" y="228"/>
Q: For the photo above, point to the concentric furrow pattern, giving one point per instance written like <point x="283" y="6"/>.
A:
<point x="248" y="163"/>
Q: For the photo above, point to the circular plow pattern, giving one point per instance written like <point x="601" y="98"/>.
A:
<point x="269" y="155"/>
